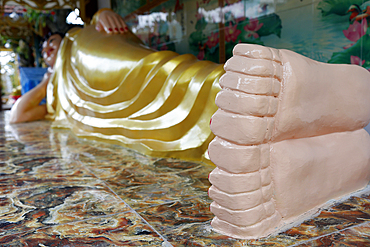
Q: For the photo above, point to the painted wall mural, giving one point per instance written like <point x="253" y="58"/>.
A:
<point x="333" y="31"/>
<point x="237" y="27"/>
<point x="357" y="34"/>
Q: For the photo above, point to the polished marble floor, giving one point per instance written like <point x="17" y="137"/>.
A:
<point x="58" y="190"/>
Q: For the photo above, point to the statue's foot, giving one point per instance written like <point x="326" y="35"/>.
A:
<point x="279" y="149"/>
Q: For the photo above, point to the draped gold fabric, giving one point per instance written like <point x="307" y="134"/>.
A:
<point x="113" y="88"/>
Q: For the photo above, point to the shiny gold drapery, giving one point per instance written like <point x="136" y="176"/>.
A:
<point x="111" y="87"/>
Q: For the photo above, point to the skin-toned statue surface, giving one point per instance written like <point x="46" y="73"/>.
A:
<point x="287" y="131"/>
<point x="289" y="137"/>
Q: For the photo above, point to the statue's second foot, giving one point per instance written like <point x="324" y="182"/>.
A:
<point x="288" y="138"/>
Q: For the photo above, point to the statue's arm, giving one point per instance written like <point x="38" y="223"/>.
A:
<point x="109" y="21"/>
<point x="28" y="108"/>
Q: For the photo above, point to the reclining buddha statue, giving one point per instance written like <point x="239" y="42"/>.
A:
<point x="287" y="131"/>
<point x="112" y="87"/>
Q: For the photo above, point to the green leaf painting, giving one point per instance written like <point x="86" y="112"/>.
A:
<point x="242" y="30"/>
<point x="338" y="7"/>
<point x="354" y="54"/>
<point x="357" y="32"/>
<point x="251" y="31"/>
<point x="271" y="25"/>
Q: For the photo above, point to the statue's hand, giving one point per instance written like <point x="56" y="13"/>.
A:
<point x="111" y="23"/>
<point x="45" y="80"/>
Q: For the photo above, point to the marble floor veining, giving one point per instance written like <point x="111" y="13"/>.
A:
<point x="59" y="190"/>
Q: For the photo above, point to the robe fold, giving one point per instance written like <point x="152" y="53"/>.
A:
<point x="113" y="88"/>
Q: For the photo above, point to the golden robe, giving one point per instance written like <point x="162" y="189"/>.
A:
<point x="113" y="88"/>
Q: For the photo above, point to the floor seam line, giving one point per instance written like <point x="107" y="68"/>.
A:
<point x="328" y="234"/>
<point x="133" y="210"/>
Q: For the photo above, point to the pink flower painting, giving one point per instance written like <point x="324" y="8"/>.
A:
<point x="164" y="47"/>
<point x="198" y="14"/>
<point x="212" y="40"/>
<point x="355" y="31"/>
<point x="231" y="33"/>
<point x="252" y="27"/>
<point x="200" y="55"/>
<point x="356" y="60"/>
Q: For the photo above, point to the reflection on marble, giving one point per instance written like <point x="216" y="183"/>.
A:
<point x="59" y="190"/>
<point x="125" y="229"/>
<point x="355" y="236"/>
